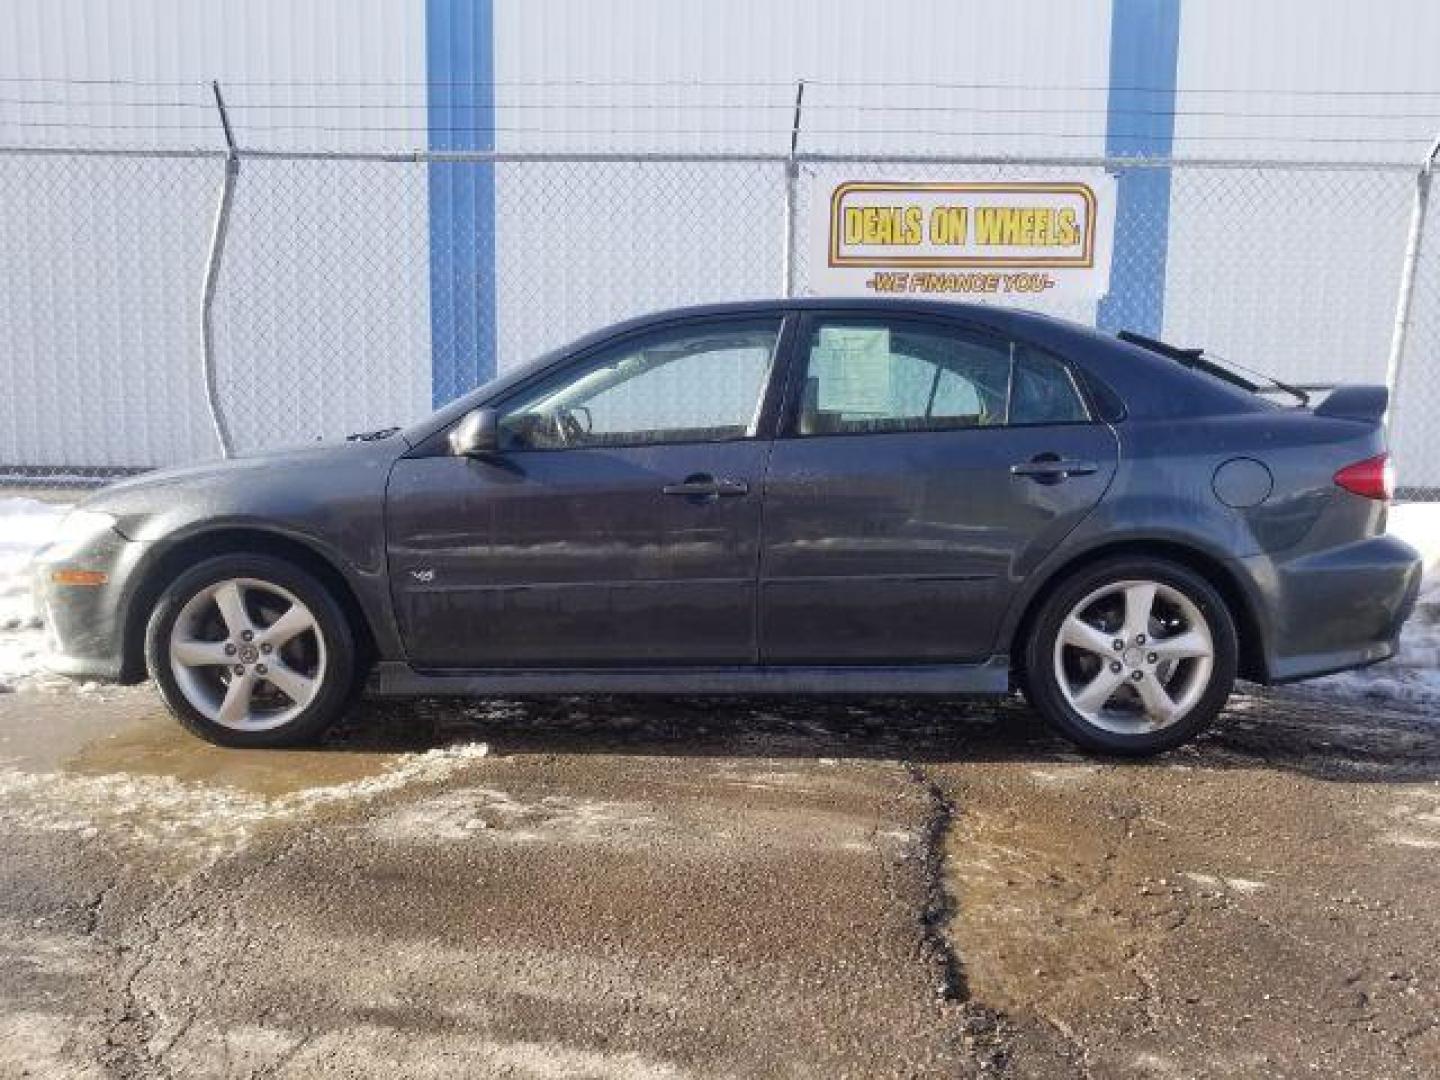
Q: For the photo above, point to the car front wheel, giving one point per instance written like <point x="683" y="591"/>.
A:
<point x="1132" y="656"/>
<point x="251" y="651"/>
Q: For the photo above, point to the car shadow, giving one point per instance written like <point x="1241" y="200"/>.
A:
<point x="1325" y="739"/>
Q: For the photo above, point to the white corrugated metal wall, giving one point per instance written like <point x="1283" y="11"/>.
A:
<point x="698" y="76"/>
<point x="100" y="280"/>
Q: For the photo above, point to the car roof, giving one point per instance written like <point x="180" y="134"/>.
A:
<point x="985" y="313"/>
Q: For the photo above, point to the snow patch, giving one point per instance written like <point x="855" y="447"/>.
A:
<point x="1065" y="774"/>
<point x="1244" y="885"/>
<point x="33" y="1044"/>
<point x="1413" y="821"/>
<point x="25" y="526"/>
<point x="501" y="817"/>
<point x="374" y="1051"/>
<point x="493" y="816"/>
<point x="1413" y="675"/>
<point x="1216" y="881"/>
<point x="192" y="819"/>
<point x="1404" y="839"/>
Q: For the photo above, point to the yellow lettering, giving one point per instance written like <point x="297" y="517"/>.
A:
<point x="948" y="225"/>
<point x="1069" y="232"/>
<point x="1043" y="235"/>
<point x="913" y="222"/>
<point x="1026" y="226"/>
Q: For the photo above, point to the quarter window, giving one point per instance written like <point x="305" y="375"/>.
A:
<point x="874" y="376"/>
<point x="701" y="384"/>
<point x="1043" y="391"/>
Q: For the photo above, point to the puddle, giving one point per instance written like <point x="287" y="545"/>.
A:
<point x="156" y="746"/>
<point x="131" y="734"/>
<point x="125" y="770"/>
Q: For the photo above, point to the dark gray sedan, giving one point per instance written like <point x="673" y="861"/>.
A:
<point x="839" y="497"/>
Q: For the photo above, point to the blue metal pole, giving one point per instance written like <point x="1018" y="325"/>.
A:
<point x="459" y="51"/>
<point x="1144" y="55"/>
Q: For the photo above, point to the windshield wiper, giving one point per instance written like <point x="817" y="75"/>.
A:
<point x="1196" y="360"/>
<point x="372" y="436"/>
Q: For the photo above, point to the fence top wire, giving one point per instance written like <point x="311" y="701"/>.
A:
<point x="723" y="157"/>
<point x="49" y="100"/>
<point x="590" y="105"/>
<point x="859" y="84"/>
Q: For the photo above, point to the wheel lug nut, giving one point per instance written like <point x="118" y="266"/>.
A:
<point x="239" y="669"/>
<point x="1115" y="667"/>
<point x="229" y="649"/>
<point x="1139" y="639"/>
<point x="1119" y="645"/>
<point x="1137" y="675"/>
<point x="259" y="669"/>
<point x="1151" y="658"/>
<point x="265" y="648"/>
<point x="248" y="635"/>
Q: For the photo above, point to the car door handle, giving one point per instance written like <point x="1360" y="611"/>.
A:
<point x="702" y="487"/>
<point x="1047" y="467"/>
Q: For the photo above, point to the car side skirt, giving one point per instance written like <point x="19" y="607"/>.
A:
<point x="990" y="677"/>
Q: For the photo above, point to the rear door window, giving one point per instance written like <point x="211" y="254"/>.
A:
<point x="880" y="375"/>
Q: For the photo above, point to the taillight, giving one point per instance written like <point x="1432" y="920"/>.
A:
<point x="1373" y="478"/>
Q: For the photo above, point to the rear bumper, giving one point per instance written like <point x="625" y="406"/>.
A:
<point x="1333" y="610"/>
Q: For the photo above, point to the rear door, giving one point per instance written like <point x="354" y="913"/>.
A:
<point x="620" y="525"/>
<point x="924" y="467"/>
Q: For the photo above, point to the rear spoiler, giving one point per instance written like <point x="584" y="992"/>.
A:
<point x="1367" y="403"/>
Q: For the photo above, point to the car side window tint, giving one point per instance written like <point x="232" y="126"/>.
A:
<point x="872" y="376"/>
<point x="697" y="384"/>
<point x="1043" y="391"/>
<point x="879" y="376"/>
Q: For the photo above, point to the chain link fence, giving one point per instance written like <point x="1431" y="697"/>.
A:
<point x="326" y="317"/>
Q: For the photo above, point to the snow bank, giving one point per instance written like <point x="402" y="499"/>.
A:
<point x="25" y="525"/>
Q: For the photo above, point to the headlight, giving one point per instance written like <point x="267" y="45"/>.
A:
<point x="77" y="529"/>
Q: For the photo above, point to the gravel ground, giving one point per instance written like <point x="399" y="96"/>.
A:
<point x="673" y="888"/>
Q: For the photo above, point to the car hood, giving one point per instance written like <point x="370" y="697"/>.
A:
<point x="213" y="480"/>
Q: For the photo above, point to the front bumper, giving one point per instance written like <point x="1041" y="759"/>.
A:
<point x="84" y="628"/>
<point x="1333" y="610"/>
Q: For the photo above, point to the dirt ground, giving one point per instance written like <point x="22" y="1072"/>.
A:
<point x="677" y="888"/>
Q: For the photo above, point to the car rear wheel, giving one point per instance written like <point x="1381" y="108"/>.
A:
<point x="1132" y="656"/>
<point x="249" y="650"/>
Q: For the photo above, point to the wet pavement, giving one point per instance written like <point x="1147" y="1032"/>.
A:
<point x="674" y="888"/>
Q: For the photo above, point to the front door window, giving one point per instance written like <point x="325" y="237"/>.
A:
<point x="688" y="385"/>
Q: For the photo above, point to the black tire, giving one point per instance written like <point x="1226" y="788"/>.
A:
<point x="1042" y="686"/>
<point x="338" y="680"/>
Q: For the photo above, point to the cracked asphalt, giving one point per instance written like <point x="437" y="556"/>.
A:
<point x="678" y="888"/>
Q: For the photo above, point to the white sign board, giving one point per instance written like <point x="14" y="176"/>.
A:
<point x="1003" y="241"/>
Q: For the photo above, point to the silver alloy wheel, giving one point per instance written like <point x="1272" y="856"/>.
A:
<point x="248" y="654"/>
<point x="1134" y="657"/>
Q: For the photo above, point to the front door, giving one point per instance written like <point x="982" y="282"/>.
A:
<point x="619" y="524"/>
<point x="926" y="468"/>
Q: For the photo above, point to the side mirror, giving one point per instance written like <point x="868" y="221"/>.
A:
<point x="477" y="435"/>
